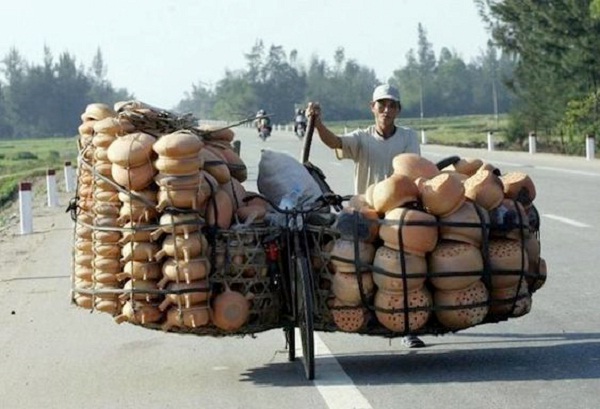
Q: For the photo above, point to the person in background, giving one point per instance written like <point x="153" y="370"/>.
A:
<point x="373" y="149"/>
<point x="300" y="120"/>
<point x="262" y="120"/>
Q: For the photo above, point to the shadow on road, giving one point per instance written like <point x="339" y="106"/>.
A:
<point x="560" y="356"/>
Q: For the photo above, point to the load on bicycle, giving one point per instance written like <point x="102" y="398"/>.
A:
<point x="168" y="238"/>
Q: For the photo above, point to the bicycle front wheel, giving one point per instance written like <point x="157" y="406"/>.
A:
<point x="304" y="310"/>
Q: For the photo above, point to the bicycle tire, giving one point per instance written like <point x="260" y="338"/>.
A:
<point x="304" y="300"/>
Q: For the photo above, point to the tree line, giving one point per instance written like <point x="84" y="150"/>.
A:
<point x="46" y="99"/>
<point x="556" y="49"/>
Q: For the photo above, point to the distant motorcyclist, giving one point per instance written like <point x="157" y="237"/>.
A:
<point x="263" y="124"/>
<point x="300" y="123"/>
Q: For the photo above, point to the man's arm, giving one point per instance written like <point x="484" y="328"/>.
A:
<point x="329" y="138"/>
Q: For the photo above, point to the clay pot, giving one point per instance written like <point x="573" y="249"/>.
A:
<point x="131" y="150"/>
<point x="485" y="189"/>
<point x="358" y="219"/>
<point x="469" y="298"/>
<point x="454" y="265"/>
<point x="215" y="165"/>
<point x="101" y="140"/>
<point x="113" y="126"/>
<point x="508" y="262"/>
<point x="231" y="309"/>
<point x="180" y="247"/>
<point x="184" y="271"/>
<point x="345" y="287"/>
<point x="344" y="249"/>
<point x="186" y="299"/>
<point x="389" y="309"/>
<point x="443" y="194"/>
<point x="135" y="178"/>
<point x="193" y="317"/>
<point x="139" y="251"/>
<point x="140" y="270"/>
<point x="178" y="166"/>
<point x="414" y="166"/>
<point x="178" y="144"/>
<point x="218" y="209"/>
<point x="519" y="186"/>
<point x="136" y="231"/>
<point x="97" y="111"/>
<point x="236" y="192"/>
<point x="538" y="279"/>
<point x="184" y="224"/>
<point x="466" y="166"/>
<point x="456" y="225"/>
<point x="139" y="312"/>
<point x="503" y="299"/>
<point x="348" y="318"/>
<point x="140" y="290"/>
<point x="394" y="276"/>
<point x="417" y="239"/>
<point x="394" y="191"/>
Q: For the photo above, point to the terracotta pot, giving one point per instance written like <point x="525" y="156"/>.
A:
<point x="236" y="192"/>
<point x="508" y="262"/>
<point x="140" y="270"/>
<point x="182" y="143"/>
<point x="470" y="298"/>
<point x="184" y="224"/>
<point x="97" y="111"/>
<point x="231" y="309"/>
<point x="414" y="166"/>
<point x="417" y="239"/>
<point x="184" y="271"/>
<point x="218" y="210"/>
<point x="503" y="299"/>
<point x="454" y="265"/>
<point x="114" y="126"/>
<point x="519" y="186"/>
<point x="101" y="140"/>
<point x="106" y="209"/>
<point x="135" y="178"/>
<point x="178" y="166"/>
<point x="344" y="249"/>
<point x="485" y="189"/>
<point x="186" y="299"/>
<point x="140" y="290"/>
<point x="345" y="287"/>
<point x="394" y="191"/>
<point x="139" y="312"/>
<point x="139" y="251"/>
<point x="348" y="318"/>
<point x="215" y="165"/>
<point x="466" y="166"/>
<point x="193" y="317"/>
<point x="136" y="231"/>
<point x="394" y="276"/>
<point x="538" y="279"/>
<point x="132" y="150"/>
<point x="443" y="194"/>
<point x="389" y="309"/>
<point x="456" y="225"/>
<point x="181" y="247"/>
<point x="358" y="219"/>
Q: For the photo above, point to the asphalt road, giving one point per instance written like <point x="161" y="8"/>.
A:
<point x="54" y="355"/>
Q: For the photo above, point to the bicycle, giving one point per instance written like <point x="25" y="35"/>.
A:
<point x="297" y="281"/>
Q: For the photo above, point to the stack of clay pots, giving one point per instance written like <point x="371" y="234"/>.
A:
<point x="146" y="190"/>
<point x="456" y="247"/>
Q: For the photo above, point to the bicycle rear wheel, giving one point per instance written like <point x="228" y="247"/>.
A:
<point x="304" y="317"/>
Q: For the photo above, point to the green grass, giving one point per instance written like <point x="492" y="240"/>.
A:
<point x="26" y="158"/>
<point x="458" y="131"/>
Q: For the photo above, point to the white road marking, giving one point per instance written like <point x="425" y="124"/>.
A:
<point x="566" y="220"/>
<point x="332" y="382"/>
<point x="573" y="172"/>
<point x="337" y="163"/>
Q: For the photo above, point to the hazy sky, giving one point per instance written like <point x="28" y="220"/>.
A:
<point x="158" y="48"/>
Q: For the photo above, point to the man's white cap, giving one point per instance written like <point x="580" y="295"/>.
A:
<point x="386" y="91"/>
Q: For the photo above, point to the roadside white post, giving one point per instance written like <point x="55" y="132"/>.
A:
<point x="345" y="130"/>
<point x="69" y="177"/>
<point x="25" y="211"/>
<point x="490" y="141"/>
<point x="51" y="188"/>
<point x="590" y="147"/>
<point x="532" y="143"/>
<point x="423" y="137"/>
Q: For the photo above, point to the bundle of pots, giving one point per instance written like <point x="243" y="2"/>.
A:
<point x="432" y="251"/>
<point x="152" y="203"/>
